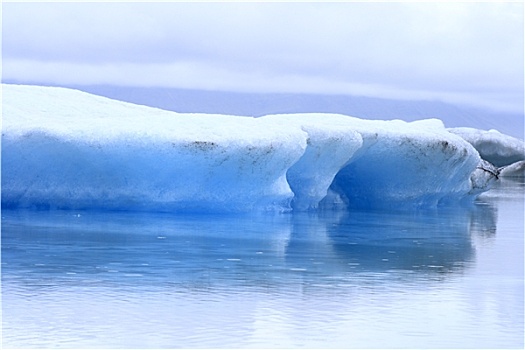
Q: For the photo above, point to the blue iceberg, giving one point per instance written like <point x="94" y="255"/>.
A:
<point x="66" y="149"/>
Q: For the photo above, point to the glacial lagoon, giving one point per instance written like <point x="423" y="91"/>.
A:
<point x="441" y="278"/>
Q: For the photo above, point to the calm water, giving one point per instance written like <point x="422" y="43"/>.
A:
<point x="435" y="279"/>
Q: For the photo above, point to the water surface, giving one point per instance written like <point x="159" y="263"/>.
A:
<point x="444" y="278"/>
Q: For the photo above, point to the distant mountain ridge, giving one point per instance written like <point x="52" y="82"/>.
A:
<point x="259" y="104"/>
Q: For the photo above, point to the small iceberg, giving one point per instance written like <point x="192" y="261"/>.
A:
<point x="493" y="146"/>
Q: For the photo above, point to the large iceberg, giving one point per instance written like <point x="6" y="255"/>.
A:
<point x="62" y="148"/>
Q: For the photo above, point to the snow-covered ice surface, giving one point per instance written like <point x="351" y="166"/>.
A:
<point x="63" y="148"/>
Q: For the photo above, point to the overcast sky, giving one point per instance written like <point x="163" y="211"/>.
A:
<point x="456" y="52"/>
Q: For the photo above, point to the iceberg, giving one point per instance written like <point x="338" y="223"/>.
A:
<point x="66" y="149"/>
<point x="493" y="146"/>
<point x="515" y="170"/>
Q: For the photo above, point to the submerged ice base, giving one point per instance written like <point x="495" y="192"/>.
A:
<point x="63" y="148"/>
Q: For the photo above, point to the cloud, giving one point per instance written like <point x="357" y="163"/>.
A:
<point x="465" y="50"/>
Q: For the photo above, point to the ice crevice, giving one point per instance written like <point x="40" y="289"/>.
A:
<point x="66" y="149"/>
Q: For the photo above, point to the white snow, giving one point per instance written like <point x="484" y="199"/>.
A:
<point x="493" y="146"/>
<point x="63" y="148"/>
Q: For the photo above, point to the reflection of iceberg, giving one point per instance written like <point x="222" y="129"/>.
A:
<point x="430" y="241"/>
<point x="62" y="148"/>
<point x="204" y="251"/>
